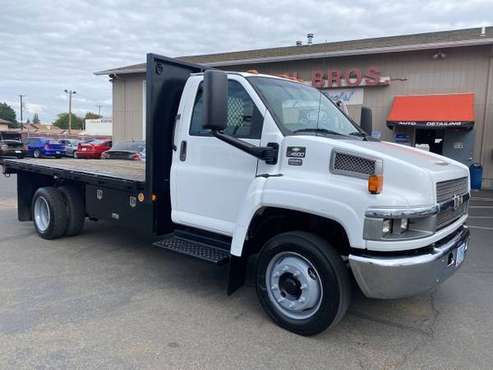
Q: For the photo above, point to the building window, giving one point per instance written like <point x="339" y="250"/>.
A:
<point x="244" y="119"/>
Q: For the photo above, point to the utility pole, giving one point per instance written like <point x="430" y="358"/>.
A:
<point x="20" y="97"/>
<point x="99" y="109"/>
<point x="70" y="93"/>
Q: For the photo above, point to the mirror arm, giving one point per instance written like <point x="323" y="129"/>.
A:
<point x="266" y="153"/>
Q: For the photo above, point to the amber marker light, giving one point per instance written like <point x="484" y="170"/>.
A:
<point x="375" y="184"/>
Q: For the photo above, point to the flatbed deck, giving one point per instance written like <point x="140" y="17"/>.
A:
<point x="119" y="173"/>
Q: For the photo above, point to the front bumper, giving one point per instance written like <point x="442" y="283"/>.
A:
<point x="389" y="277"/>
<point x="12" y="152"/>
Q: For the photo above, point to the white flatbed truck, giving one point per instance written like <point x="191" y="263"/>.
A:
<point x="242" y="164"/>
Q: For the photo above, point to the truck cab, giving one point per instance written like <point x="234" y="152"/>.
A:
<point x="395" y="215"/>
<point x="242" y="165"/>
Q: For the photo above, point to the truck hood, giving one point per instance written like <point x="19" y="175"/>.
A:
<point x="439" y="167"/>
<point x="410" y="174"/>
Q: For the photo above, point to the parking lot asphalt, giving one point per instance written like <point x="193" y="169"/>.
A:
<point x="107" y="299"/>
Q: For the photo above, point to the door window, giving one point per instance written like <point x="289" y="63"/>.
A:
<point x="244" y="118"/>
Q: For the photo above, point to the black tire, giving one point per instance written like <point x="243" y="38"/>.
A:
<point x="75" y="210"/>
<point x="57" y="220"/>
<point x="20" y="156"/>
<point x="37" y="153"/>
<point x="330" y="270"/>
<point x="74" y="155"/>
<point x="58" y="156"/>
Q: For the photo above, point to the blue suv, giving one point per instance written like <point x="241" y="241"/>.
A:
<point x="39" y="147"/>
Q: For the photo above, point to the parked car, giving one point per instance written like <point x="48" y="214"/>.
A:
<point x="11" y="145"/>
<point x="130" y="150"/>
<point x="70" y="147"/>
<point x="92" y="149"/>
<point x="39" y="147"/>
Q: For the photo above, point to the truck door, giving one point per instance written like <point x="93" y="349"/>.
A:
<point x="209" y="178"/>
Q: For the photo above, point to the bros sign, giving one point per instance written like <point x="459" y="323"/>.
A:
<point x="352" y="77"/>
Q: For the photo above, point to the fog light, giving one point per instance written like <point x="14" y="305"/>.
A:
<point x="386" y="227"/>
<point x="404" y="224"/>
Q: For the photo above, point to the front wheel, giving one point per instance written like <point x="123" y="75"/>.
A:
<point x="37" y="153"/>
<point x="302" y="283"/>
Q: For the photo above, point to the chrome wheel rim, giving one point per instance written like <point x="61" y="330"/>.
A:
<point x="42" y="214"/>
<point x="293" y="285"/>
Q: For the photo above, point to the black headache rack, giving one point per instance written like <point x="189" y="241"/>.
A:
<point x="165" y="81"/>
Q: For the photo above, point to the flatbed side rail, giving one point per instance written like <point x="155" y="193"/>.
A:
<point x="13" y="167"/>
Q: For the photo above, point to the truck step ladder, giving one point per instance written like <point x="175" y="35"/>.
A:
<point x="196" y="246"/>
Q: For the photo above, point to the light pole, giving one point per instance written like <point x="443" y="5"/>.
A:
<point x="20" y="97"/>
<point x="99" y="109"/>
<point x="70" y="93"/>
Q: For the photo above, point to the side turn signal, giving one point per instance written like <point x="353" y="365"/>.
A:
<point x="375" y="184"/>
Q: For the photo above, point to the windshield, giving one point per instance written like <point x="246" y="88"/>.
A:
<point x="298" y="108"/>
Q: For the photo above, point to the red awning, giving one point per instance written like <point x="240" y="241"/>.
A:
<point x="432" y="111"/>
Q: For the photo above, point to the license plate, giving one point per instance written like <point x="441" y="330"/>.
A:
<point x="84" y="149"/>
<point x="57" y="152"/>
<point x="18" y="151"/>
<point x="461" y="251"/>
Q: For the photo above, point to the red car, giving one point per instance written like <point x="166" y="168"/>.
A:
<point x="92" y="149"/>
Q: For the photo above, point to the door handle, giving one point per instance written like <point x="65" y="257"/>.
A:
<point x="183" y="151"/>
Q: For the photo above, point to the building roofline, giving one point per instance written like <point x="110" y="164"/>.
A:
<point x="343" y="53"/>
<point x="479" y="41"/>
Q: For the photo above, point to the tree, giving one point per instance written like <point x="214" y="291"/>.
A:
<point x="36" y="118"/>
<point x="8" y="114"/>
<point x="62" y="121"/>
<point x="91" y="115"/>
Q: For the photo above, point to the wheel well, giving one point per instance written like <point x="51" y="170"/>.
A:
<point x="27" y="184"/>
<point x="270" y="221"/>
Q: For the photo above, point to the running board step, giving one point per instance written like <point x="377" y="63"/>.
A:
<point x="200" y="250"/>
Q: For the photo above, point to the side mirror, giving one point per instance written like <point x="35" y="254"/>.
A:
<point x="366" y="121"/>
<point x="215" y="100"/>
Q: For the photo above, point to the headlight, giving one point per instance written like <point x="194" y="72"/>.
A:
<point x="394" y="226"/>
<point x="4" y="146"/>
<point x="386" y="227"/>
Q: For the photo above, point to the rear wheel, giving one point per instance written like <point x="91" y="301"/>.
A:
<point x="37" y="153"/>
<point x="75" y="209"/>
<point x="74" y="154"/>
<point x="49" y="213"/>
<point x="302" y="283"/>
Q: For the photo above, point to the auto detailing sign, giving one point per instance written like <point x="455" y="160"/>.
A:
<point x="431" y="124"/>
<point x="351" y="77"/>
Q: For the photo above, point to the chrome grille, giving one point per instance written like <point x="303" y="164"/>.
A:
<point x="352" y="165"/>
<point x="447" y="189"/>
<point x="448" y="216"/>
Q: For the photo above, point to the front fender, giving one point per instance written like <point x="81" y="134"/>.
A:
<point x="287" y="193"/>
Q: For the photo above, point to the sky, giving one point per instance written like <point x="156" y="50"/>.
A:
<point x="47" y="46"/>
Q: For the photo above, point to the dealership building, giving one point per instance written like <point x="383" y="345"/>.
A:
<point x="432" y="90"/>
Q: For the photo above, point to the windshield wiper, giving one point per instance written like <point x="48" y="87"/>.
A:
<point x="319" y="130"/>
